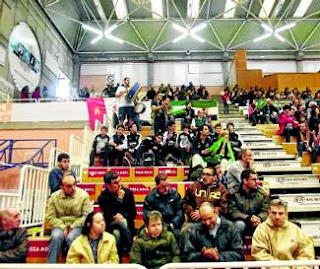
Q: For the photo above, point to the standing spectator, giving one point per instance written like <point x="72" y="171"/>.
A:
<point x="94" y="245"/>
<point x="234" y="172"/>
<point x="161" y="111"/>
<point x="226" y="100"/>
<point x="126" y="106"/>
<point x="249" y="206"/>
<point x="188" y="115"/>
<point x="13" y="239"/>
<point x="57" y="173"/>
<point x="37" y="93"/>
<point x="155" y="245"/>
<point x="168" y="202"/>
<point x="207" y="189"/>
<point x="24" y="94"/>
<point x="215" y="239"/>
<point x="118" y="205"/>
<point x="279" y="239"/>
<point x="100" y="146"/>
<point x="66" y="212"/>
<point x="45" y="93"/>
<point x="118" y="142"/>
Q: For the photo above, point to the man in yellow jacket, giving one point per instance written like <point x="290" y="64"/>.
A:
<point x="66" y="212"/>
<point x="279" y="239"/>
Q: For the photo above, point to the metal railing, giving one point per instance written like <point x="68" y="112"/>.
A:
<point x="70" y="266"/>
<point x="31" y="195"/>
<point x="76" y="150"/>
<point x="245" y="265"/>
<point x="33" y="154"/>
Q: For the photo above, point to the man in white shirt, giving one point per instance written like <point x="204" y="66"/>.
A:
<point x="126" y="106"/>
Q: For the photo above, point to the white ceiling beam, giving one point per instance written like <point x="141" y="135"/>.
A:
<point x="266" y="8"/>
<point x="193" y="8"/>
<point x="120" y="8"/>
<point x="302" y="8"/>
<point x="157" y="9"/>
<point x="100" y="10"/>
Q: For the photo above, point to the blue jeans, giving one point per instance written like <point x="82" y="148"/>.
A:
<point x="56" y="242"/>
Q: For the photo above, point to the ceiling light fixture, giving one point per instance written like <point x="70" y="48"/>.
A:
<point x="193" y="8"/>
<point x="274" y="32"/>
<point x="189" y="32"/>
<point x="157" y="9"/>
<point x="100" y="34"/>
<point x="302" y="8"/>
<point x="120" y="8"/>
<point x="266" y="8"/>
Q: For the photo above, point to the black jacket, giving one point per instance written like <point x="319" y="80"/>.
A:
<point x="227" y="240"/>
<point x="103" y="140"/>
<point x="13" y="245"/>
<point x="111" y="205"/>
<point x="169" y="205"/>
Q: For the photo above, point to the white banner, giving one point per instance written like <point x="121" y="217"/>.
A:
<point x="292" y="181"/>
<point x="302" y="202"/>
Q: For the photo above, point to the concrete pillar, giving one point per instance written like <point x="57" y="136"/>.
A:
<point x="150" y="79"/>
<point x="225" y="67"/>
<point x="76" y="72"/>
<point x="299" y="57"/>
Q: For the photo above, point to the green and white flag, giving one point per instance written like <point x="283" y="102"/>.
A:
<point x="179" y="107"/>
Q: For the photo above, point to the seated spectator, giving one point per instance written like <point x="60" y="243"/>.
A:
<point x="249" y="206"/>
<point x="202" y="142"/>
<point x="207" y="188"/>
<point x="134" y="141"/>
<point x="118" y="143"/>
<point x="287" y="124"/>
<point x="94" y="245"/>
<point x="155" y="245"/>
<point x="316" y="143"/>
<point x="185" y="141"/>
<point x="314" y="118"/>
<point x="153" y="146"/>
<point x="119" y="209"/>
<point x="57" y="173"/>
<point x="84" y="93"/>
<point x="279" y="239"/>
<point x="234" y="172"/>
<point x="66" y="212"/>
<point x="170" y="142"/>
<point x="253" y="113"/>
<point x="215" y="239"/>
<point x="235" y="139"/>
<point x="203" y="94"/>
<point x="168" y="202"/>
<point x="188" y="115"/>
<point x="304" y="140"/>
<point x="270" y="112"/>
<point x="198" y="121"/>
<point x="220" y="172"/>
<point x="101" y="147"/>
<point x="37" y="93"/>
<point x="13" y="239"/>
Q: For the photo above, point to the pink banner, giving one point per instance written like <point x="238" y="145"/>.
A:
<point x="96" y="110"/>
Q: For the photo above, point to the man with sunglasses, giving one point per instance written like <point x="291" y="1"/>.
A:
<point x="279" y="239"/>
<point x="206" y="189"/>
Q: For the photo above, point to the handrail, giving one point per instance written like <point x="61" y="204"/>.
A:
<point x="6" y="153"/>
<point x="70" y="266"/>
<point x="246" y="265"/>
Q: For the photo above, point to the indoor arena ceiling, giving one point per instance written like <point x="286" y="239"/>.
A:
<point x="195" y="26"/>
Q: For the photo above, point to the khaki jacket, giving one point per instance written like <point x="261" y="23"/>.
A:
<point x="288" y="242"/>
<point x="63" y="211"/>
<point x="81" y="251"/>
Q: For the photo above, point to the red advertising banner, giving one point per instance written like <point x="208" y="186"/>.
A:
<point x="89" y="188"/>
<point x="96" y="208"/>
<point x="139" y="189"/>
<point x="121" y="171"/>
<point x="38" y="248"/>
<point x="144" y="172"/>
<point x="169" y="171"/>
<point x="97" y="171"/>
<point x="186" y="171"/>
<point x="139" y="209"/>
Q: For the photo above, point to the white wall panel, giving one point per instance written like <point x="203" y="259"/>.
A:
<point x="135" y="71"/>
<point x="310" y="66"/>
<point x="170" y="72"/>
<point x="214" y="79"/>
<point x="273" y="66"/>
<point x="196" y="68"/>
